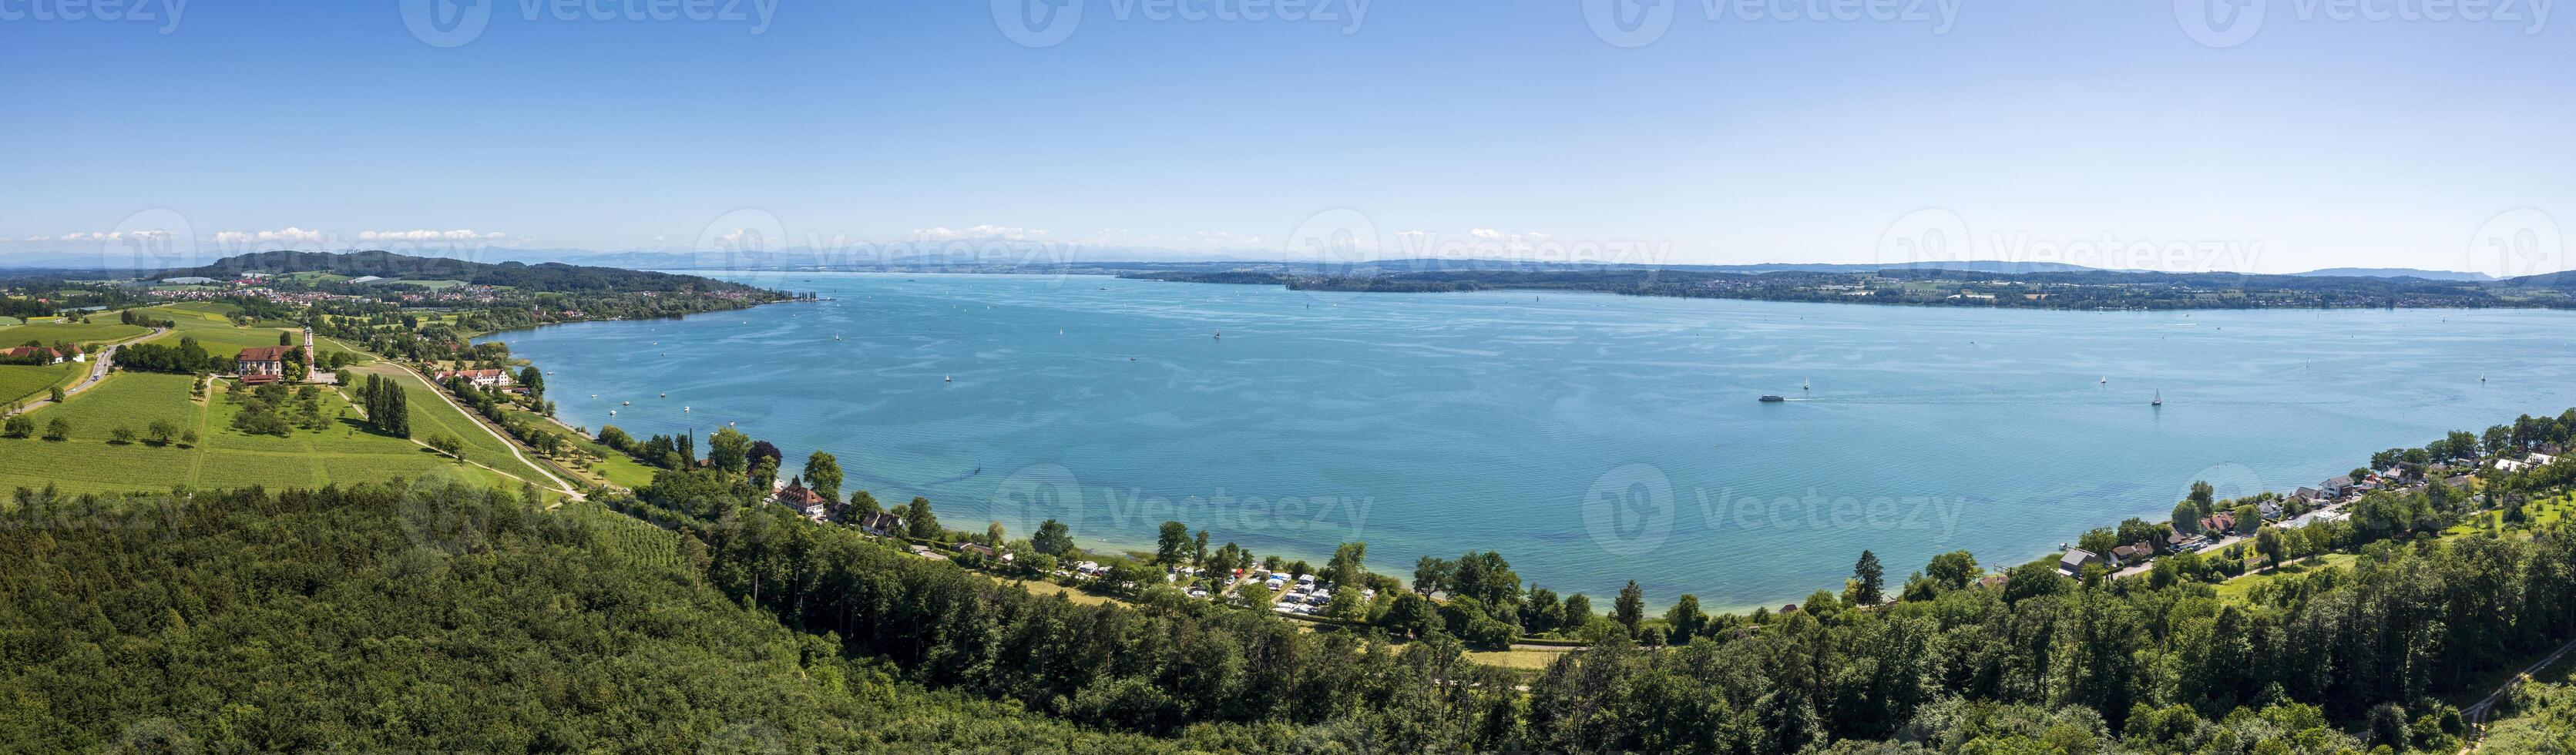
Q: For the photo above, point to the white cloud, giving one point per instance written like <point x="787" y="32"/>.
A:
<point x="290" y="234"/>
<point x="1485" y="233"/>
<point x="459" y="235"/>
<point x="40" y="238"/>
<point x="1003" y="232"/>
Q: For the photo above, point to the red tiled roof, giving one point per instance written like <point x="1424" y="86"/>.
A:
<point x="22" y="352"/>
<point x="266" y="353"/>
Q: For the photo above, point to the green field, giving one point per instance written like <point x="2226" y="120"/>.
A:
<point x="347" y="452"/>
<point x="50" y="333"/>
<point x="431" y="416"/>
<point x="20" y="383"/>
<point x="218" y="334"/>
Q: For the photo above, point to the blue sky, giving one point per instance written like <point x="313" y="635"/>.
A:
<point x="2097" y="133"/>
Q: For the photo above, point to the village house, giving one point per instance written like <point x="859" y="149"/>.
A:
<point x="2311" y="495"/>
<point x="2335" y="487"/>
<point x="2133" y="554"/>
<point x="262" y="364"/>
<point x="2268" y="510"/>
<point x="2218" y="525"/>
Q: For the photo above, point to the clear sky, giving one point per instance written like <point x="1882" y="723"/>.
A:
<point x="2120" y="134"/>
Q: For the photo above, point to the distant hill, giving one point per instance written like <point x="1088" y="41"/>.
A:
<point x="548" y="276"/>
<point x="2395" y="272"/>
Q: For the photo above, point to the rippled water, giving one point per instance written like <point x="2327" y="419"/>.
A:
<point x="1591" y="439"/>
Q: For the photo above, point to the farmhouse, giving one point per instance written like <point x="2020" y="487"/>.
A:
<point x="32" y="353"/>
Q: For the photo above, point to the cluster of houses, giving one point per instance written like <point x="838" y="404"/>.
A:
<point x="492" y="379"/>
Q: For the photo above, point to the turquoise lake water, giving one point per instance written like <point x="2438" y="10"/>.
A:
<point x="1589" y="438"/>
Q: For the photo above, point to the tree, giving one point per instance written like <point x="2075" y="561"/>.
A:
<point x="448" y="444"/>
<point x="1349" y="564"/>
<point x="534" y="380"/>
<point x="823" y="475"/>
<point x="1170" y="543"/>
<point x="2186" y="518"/>
<point x="920" y="520"/>
<point x="20" y="426"/>
<point x="1685" y="619"/>
<point x="58" y="429"/>
<point x="729" y="450"/>
<point x="1869" y="580"/>
<point x="122" y="435"/>
<point x="1578" y="611"/>
<point x="1431" y="574"/>
<point x="188" y="438"/>
<point x="1411" y="615"/>
<point x="1955" y="570"/>
<point x="993" y="534"/>
<point x="764" y="469"/>
<point x="1053" y="538"/>
<point x="285" y="339"/>
<point x="863" y="504"/>
<point x="55" y="393"/>
<point x="1630" y="608"/>
<point x="2202" y="495"/>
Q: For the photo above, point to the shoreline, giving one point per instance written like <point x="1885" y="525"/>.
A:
<point x="1318" y="552"/>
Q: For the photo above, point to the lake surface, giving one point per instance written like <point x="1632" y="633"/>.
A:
<point x="1589" y="438"/>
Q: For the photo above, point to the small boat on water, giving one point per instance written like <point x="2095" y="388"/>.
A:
<point x="2159" y="400"/>
<point x="666" y="395"/>
<point x="626" y="403"/>
<point x="2106" y="380"/>
<point x="947" y="378"/>
<point x="1774" y="399"/>
<point x="1804" y="386"/>
<point x="684" y="408"/>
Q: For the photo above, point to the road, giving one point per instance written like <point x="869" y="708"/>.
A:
<point x="97" y="372"/>
<point x="2476" y="714"/>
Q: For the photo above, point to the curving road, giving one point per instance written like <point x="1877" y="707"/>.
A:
<point x="97" y="372"/>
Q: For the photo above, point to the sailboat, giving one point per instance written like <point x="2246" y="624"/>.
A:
<point x="1804" y="386"/>
<point x="2159" y="400"/>
<point x="2106" y="380"/>
<point x="947" y="379"/>
<point x="1220" y="335"/>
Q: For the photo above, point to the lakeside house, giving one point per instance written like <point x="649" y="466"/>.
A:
<point x="2311" y="495"/>
<point x="32" y="353"/>
<point x="881" y="524"/>
<point x="480" y="378"/>
<point x="2268" y="510"/>
<point x="2218" y="525"/>
<point x="2133" y="554"/>
<point x="806" y="502"/>
<point x="2336" y="486"/>
<point x="262" y="364"/>
<point x="2073" y="563"/>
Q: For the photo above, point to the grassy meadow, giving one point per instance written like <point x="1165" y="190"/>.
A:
<point x="346" y="452"/>
<point x="49" y="333"/>
<point x="20" y="383"/>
